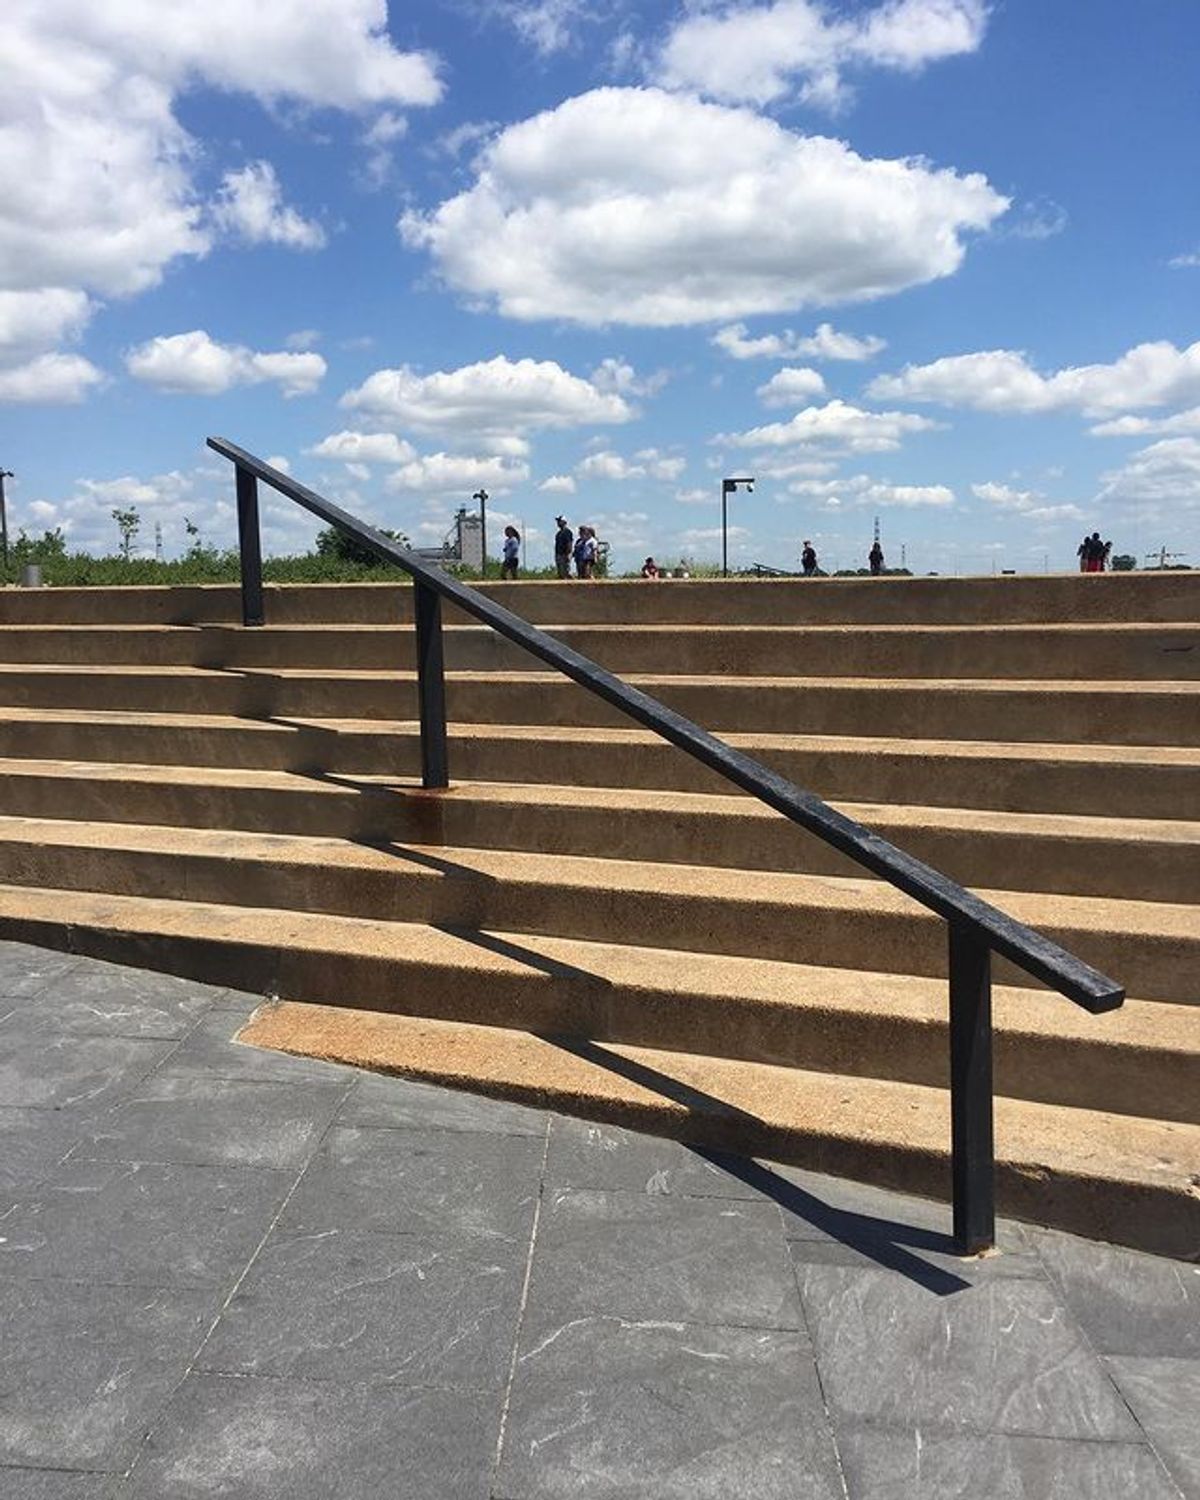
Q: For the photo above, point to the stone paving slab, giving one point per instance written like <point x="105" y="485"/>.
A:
<point x="233" y="1274"/>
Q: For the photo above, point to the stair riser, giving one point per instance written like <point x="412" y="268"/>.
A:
<point x="1147" y="718"/>
<point x="837" y="935"/>
<point x="1138" y="790"/>
<point x="1114" y="655"/>
<point x="1059" y="864"/>
<point x="551" y="1002"/>
<point x="936" y="601"/>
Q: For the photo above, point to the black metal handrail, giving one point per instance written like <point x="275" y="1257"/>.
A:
<point x="976" y="928"/>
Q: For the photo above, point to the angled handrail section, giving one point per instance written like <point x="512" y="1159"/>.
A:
<point x="976" y="928"/>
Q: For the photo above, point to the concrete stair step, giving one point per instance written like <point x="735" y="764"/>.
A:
<point x="854" y="1023"/>
<point x="1163" y="597"/>
<point x="1141" y="859"/>
<point x="1119" y="713"/>
<point x="1131" y="781"/>
<point x="1124" y="1181"/>
<point x="1088" y="652"/>
<point x="840" y="922"/>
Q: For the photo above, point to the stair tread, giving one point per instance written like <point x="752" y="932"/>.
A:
<point x="635" y="799"/>
<point x="616" y="629"/>
<point x="1035" y="1138"/>
<point x="658" y="970"/>
<point x="919" y="750"/>
<point x="875" y="685"/>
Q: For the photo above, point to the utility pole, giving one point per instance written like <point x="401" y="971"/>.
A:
<point x="482" y="496"/>
<point x="4" y="474"/>
<point x="729" y="487"/>
<point x="158" y="541"/>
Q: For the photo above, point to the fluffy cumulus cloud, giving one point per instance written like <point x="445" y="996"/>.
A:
<point x="643" y="207"/>
<point x="89" y="84"/>
<point x="365" y="448"/>
<point x="250" y="207"/>
<point x="836" y="422"/>
<point x="1160" y="480"/>
<point x="494" y="396"/>
<point x="558" y="484"/>
<point x="50" y="379"/>
<point x="196" y="364"/>
<point x="827" y="343"/>
<point x="791" y="385"/>
<point x="1003" y="380"/>
<point x="648" y="464"/>
<point x="1179" y="422"/>
<point x="860" y="490"/>
<point x="32" y="323"/>
<point x="760" y="53"/>
<point x="452" y="473"/>
<point x="1027" y="503"/>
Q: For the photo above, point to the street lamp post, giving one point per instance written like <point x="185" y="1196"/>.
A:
<point x="482" y="497"/>
<point x="729" y="487"/>
<point x="4" y="474"/>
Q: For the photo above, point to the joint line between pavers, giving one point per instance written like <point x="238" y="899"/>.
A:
<point x="512" y="1364"/>
<point x="233" y="1291"/>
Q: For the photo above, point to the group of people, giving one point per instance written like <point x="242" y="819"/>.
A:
<point x="581" y="550"/>
<point x="1093" y="554"/>
<point x="810" y="567"/>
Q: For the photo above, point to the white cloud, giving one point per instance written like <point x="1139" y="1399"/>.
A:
<point x="548" y="26"/>
<point x="365" y="448"/>
<point x="760" y="53"/>
<point x="50" y="379"/>
<point x="31" y="323"/>
<point x="1027" y="503"/>
<point x="1039" y="219"/>
<point x="1186" y="261"/>
<point x="1164" y="477"/>
<point x="250" y="207"/>
<point x="826" y="343"/>
<point x="494" y="395"/>
<point x="195" y="364"/>
<point x="648" y="464"/>
<point x="790" y="385"/>
<point x="618" y="376"/>
<point x="836" y="422"/>
<point x="303" y="339"/>
<point x="641" y="207"/>
<point x="445" y="473"/>
<point x="380" y="138"/>
<point x="695" y="497"/>
<point x="1003" y="380"/>
<point x="1181" y="422"/>
<point x="558" y="484"/>
<point x="34" y="321"/>
<point x="96" y="172"/>
<point x="860" y="491"/>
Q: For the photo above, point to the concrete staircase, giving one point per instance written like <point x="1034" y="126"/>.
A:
<point x="591" y="919"/>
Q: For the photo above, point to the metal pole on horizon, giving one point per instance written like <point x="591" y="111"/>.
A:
<point x="482" y="497"/>
<point x="729" y="487"/>
<point x="4" y="474"/>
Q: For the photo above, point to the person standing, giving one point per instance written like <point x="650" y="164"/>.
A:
<point x="512" y="553"/>
<point x="585" y="553"/>
<point x="808" y="559"/>
<point x="875" y="558"/>
<point x="564" y="543"/>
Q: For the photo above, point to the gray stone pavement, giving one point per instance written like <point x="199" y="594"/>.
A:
<point x="229" y="1273"/>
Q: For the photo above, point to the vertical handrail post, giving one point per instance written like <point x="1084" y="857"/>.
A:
<point x="972" y="1144"/>
<point x="250" y="548"/>
<point x="431" y="686"/>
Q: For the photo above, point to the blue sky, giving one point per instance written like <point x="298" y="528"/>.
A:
<point x="932" y="260"/>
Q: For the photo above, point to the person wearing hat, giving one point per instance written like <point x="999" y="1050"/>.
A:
<point x="564" y="539"/>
